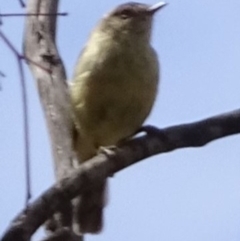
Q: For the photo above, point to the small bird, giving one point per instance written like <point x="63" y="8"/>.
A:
<point x="113" y="90"/>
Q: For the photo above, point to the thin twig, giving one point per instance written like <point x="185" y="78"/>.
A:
<point x="25" y="115"/>
<point x="2" y="74"/>
<point x="22" y="3"/>
<point x="9" y="44"/>
<point x="1" y="22"/>
<point x="35" y="63"/>
<point x="26" y="130"/>
<point x="31" y="14"/>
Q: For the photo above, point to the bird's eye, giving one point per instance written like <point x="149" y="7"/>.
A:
<point x="126" y="13"/>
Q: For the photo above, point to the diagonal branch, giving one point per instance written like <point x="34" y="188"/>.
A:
<point x="107" y="163"/>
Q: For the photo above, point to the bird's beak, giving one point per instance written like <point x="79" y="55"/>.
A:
<point x="155" y="7"/>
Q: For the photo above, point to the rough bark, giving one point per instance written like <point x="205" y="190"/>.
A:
<point x="40" y="49"/>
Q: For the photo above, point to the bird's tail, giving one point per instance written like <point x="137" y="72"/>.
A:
<point x="88" y="213"/>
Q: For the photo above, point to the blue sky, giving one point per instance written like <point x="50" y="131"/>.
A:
<point x="189" y="194"/>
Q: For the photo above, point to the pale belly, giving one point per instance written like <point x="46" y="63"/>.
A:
<point x="117" y="112"/>
<point x="112" y="100"/>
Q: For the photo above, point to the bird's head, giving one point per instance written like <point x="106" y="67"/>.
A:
<point x="131" y="19"/>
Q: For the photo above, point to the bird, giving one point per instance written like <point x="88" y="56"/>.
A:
<point x="113" y="89"/>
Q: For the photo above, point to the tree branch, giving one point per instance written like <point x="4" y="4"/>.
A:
<point x="109" y="162"/>
<point x="40" y="48"/>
